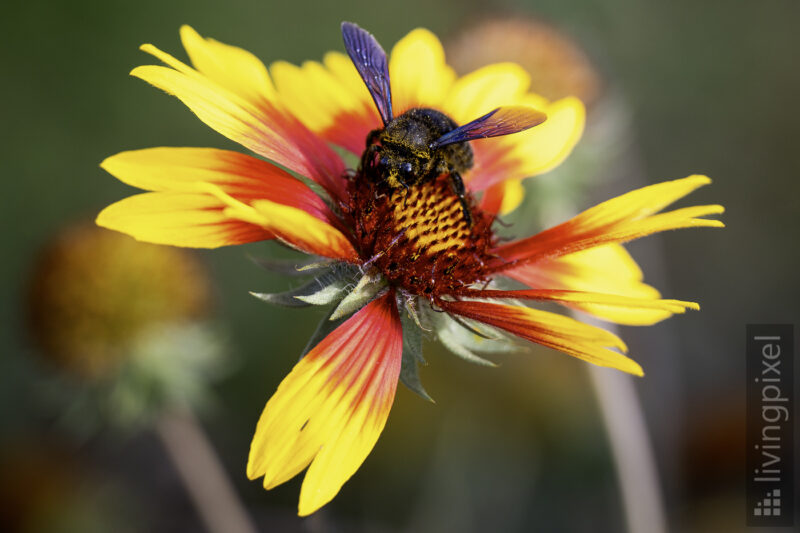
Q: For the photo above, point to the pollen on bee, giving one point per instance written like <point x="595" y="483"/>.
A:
<point x="419" y="238"/>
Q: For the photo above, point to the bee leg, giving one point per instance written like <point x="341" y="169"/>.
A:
<point x="405" y="196"/>
<point x="458" y="187"/>
<point x="372" y="135"/>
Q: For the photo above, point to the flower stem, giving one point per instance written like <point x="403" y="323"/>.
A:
<point x="630" y="446"/>
<point x="202" y="474"/>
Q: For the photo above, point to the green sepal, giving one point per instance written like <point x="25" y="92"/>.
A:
<point x="326" y="288"/>
<point x="412" y="356"/>
<point x="452" y="343"/>
<point x="312" y="293"/>
<point x="292" y="267"/>
<point x="326" y="295"/>
<point x="369" y="287"/>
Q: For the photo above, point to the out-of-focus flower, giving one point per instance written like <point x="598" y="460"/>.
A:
<point x="396" y="252"/>
<point x="125" y="318"/>
<point x="558" y="67"/>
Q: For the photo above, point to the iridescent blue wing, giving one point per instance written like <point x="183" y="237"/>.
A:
<point x="370" y="61"/>
<point x="501" y="121"/>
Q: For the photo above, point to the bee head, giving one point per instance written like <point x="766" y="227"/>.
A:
<point x="393" y="168"/>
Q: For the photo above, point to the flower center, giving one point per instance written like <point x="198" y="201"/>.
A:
<point x="419" y="238"/>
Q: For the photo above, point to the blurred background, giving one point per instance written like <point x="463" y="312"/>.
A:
<point x="673" y="88"/>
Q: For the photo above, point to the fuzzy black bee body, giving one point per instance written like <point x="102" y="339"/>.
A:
<point x="422" y="143"/>
<point x="403" y="153"/>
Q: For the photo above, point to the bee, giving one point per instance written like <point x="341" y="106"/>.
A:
<point x="421" y="144"/>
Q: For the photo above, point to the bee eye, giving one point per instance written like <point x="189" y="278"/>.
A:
<point x="406" y="168"/>
<point x="384" y="162"/>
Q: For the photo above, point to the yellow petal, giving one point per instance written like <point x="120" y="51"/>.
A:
<point x="523" y="154"/>
<point x="225" y="112"/>
<point x="264" y="128"/>
<point x="485" y="89"/>
<point x="233" y="68"/>
<point x="193" y="220"/>
<point x="513" y="194"/>
<point x="419" y="75"/>
<point x="341" y="67"/>
<point x="640" y="203"/>
<point x="607" y="269"/>
<point x="303" y="231"/>
<point x="331" y="408"/>
<point x="544" y="147"/>
<point x="530" y="152"/>
<point x="312" y="94"/>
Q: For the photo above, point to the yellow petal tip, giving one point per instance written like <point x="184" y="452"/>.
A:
<point x="102" y="219"/>
<point x="137" y="72"/>
<point x="633" y="368"/>
<point x="701" y="178"/>
<point x="305" y="507"/>
<point x="252" y="475"/>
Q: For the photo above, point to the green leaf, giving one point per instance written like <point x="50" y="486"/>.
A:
<point x="412" y="355"/>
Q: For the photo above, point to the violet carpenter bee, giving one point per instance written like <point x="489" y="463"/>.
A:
<point x="421" y="144"/>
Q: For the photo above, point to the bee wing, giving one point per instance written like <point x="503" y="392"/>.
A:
<point x="501" y="121"/>
<point x="370" y="61"/>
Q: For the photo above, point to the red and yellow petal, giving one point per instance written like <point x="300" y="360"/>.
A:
<point x="605" y="269"/>
<point x="241" y="176"/>
<point x="330" y="99"/>
<point x="231" y="198"/>
<point x="194" y="220"/>
<point x="250" y="113"/>
<point x="604" y="301"/>
<point x="297" y="228"/>
<point x="619" y="220"/>
<point x="332" y="407"/>
<point x="559" y="332"/>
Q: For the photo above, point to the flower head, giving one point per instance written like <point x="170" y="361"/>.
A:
<point x="407" y="238"/>
<point x="94" y="294"/>
<point x="126" y="324"/>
